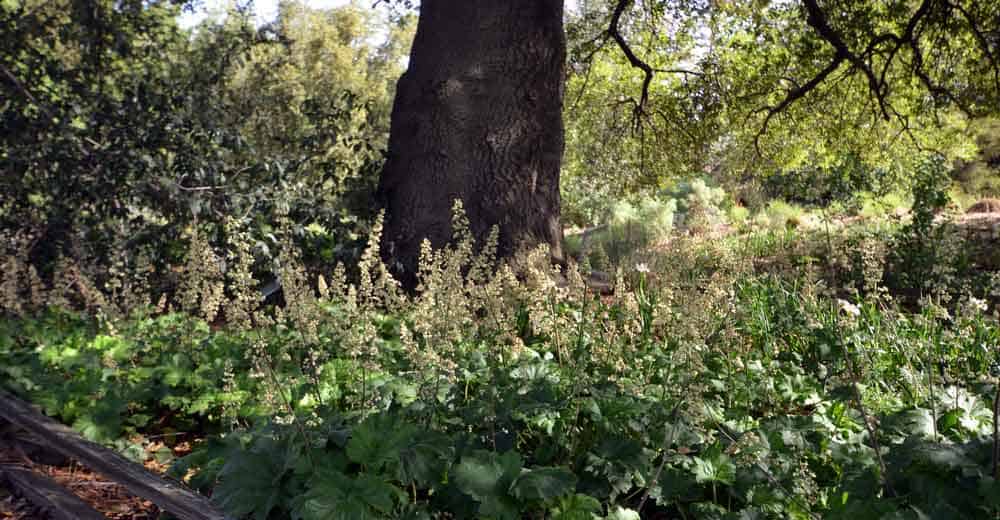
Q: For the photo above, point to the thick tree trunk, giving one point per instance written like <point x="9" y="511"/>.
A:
<point x="477" y="117"/>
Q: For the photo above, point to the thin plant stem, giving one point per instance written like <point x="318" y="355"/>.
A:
<point x="869" y="423"/>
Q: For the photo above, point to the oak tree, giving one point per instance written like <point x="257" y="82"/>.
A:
<point x="477" y="116"/>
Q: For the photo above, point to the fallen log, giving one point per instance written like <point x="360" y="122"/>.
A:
<point x="50" y="498"/>
<point x="169" y="496"/>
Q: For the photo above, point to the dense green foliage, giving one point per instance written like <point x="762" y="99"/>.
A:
<point x="120" y="129"/>
<point x="771" y="334"/>
<point x="715" y="384"/>
<point x="733" y="96"/>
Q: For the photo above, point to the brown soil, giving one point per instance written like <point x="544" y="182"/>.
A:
<point x="107" y="497"/>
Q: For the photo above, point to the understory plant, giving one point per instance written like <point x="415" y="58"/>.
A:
<point x="702" y="387"/>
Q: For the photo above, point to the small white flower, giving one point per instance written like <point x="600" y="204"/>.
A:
<point x="642" y="268"/>
<point x="979" y="304"/>
<point x="849" y="307"/>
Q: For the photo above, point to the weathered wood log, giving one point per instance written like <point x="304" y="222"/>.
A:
<point x="50" y="498"/>
<point x="33" y="449"/>
<point x="169" y="496"/>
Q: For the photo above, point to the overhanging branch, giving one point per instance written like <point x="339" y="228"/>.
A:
<point x="981" y="39"/>
<point x="816" y="19"/>
<point x="614" y="30"/>
<point x="878" y="84"/>
<point x="794" y="95"/>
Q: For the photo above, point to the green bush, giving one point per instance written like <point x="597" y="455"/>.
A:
<point x="926" y="250"/>
<point x="691" y="206"/>
<point x="628" y="229"/>
<point x="700" y="205"/>
<point x="579" y="423"/>
<point x="981" y="177"/>
<point x="825" y="185"/>
<point x="779" y="214"/>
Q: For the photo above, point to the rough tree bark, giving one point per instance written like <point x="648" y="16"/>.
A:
<point x="477" y="117"/>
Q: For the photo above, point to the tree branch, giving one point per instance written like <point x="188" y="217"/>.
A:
<point x="816" y="19"/>
<point x="981" y="39"/>
<point x="937" y="90"/>
<point x="878" y="85"/>
<point x="615" y="32"/>
<point x="794" y="95"/>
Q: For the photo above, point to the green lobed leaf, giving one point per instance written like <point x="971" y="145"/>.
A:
<point x="543" y="484"/>
<point x="250" y="484"/>
<point x="379" y="441"/>
<point x="482" y="474"/>
<point x="425" y="461"/>
<point x="714" y="466"/>
<point x="486" y="476"/>
<point x="335" y="496"/>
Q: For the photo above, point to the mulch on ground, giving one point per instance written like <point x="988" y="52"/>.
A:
<point x="107" y="497"/>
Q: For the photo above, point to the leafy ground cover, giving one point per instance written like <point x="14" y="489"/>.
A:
<point x="751" y="377"/>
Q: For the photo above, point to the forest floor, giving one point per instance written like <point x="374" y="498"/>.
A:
<point x="104" y="495"/>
